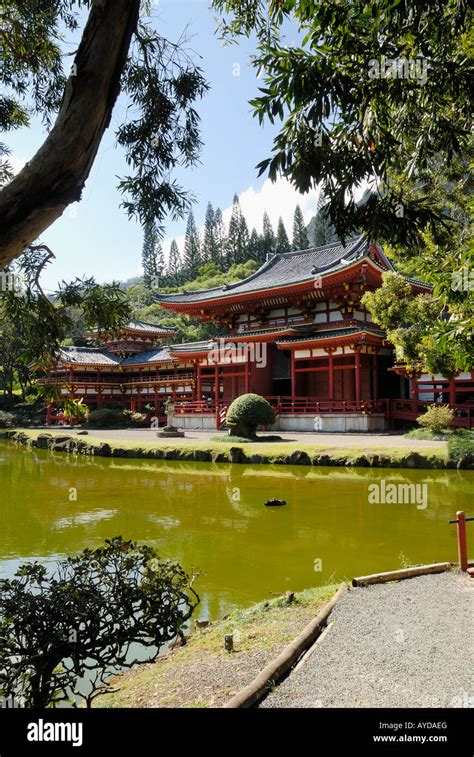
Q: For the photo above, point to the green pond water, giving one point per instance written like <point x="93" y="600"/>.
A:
<point x="212" y="517"/>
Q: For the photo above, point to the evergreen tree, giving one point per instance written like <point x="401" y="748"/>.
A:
<point x="152" y="258"/>
<point x="192" y="249"/>
<point x="320" y="227"/>
<point x="268" y="238"/>
<point x="220" y="239"/>
<point x="300" y="235"/>
<point x="255" y="246"/>
<point x="282" y="241"/>
<point x="209" y="251"/>
<point x="238" y="237"/>
<point x="174" y="265"/>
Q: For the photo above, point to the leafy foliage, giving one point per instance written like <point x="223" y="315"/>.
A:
<point x="115" y="418"/>
<point x="247" y="413"/>
<point x="419" y="328"/>
<point x="345" y="116"/>
<point x="160" y="84"/>
<point x="86" y="618"/>
<point x="461" y="449"/>
<point x="7" y="420"/>
<point x="33" y="326"/>
<point x="437" y="418"/>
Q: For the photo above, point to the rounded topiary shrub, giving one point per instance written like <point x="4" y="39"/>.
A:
<point x="247" y="413"/>
<point x="438" y="418"/>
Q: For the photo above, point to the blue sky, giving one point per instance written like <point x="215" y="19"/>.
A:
<point x="96" y="238"/>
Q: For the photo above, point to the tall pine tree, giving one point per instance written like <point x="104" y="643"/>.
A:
<point x="320" y="227"/>
<point x="152" y="258"/>
<point x="238" y="237"/>
<point x="255" y="248"/>
<point x="174" y="265"/>
<point x="209" y="251"/>
<point x="192" y="249"/>
<point x="268" y="238"/>
<point x="219" y="238"/>
<point x="300" y="235"/>
<point x="282" y="241"/>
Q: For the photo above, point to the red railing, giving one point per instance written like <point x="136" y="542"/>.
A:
<point x="314" y="406"/>
<point x="118" y="381"/>
<point x="393" y="409"/>
<point x="409" y="410"/>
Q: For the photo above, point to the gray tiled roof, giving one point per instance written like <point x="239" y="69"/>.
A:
<point x="193" y="346"/>
<point x="330" y="333"/>
<point x="154" y="327"/>
<point x="144" y="326"/>
<point x="88" y="356"/>
<point x="153" y="356"/>
<point x="283" y="269"/>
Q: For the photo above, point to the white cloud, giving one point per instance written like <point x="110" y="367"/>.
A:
<point x="277" y="198"/>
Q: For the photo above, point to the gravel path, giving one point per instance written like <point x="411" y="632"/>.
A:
<point x="401" y="644"/>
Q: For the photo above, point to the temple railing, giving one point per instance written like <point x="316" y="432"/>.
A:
<point x="409" y="410"/>
<point x="118" y="381"/>
<point x="393" y="409"/>
<point x="314" y="406"/>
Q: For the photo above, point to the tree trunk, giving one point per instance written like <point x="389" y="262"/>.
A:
<point x="56" y="175"/>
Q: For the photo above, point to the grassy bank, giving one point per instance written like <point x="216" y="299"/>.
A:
<point x="252" y="453"/>
<point x="202" y="673"/>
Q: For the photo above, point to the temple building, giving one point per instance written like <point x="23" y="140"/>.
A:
<point x="295" y="332"/>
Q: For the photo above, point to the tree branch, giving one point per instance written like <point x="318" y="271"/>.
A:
<point x="56" y="175"/>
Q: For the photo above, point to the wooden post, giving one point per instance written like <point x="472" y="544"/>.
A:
<point x="462" y="540"/>
<point x="247" y="376"/>
<point x="199" y="397"/>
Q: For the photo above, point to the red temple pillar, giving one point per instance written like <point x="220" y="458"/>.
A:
<point x="216" y="385"/>
<point x="375" y="385"/>
<point x="199" y="393"/>
<point x="247" y="377"/>
<point x="357" y="374"/>
<point x="330" y="351"/>
<point x="49" y="408"/>
<point x="293" y="376"/>
<point x="452" y="391"/>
